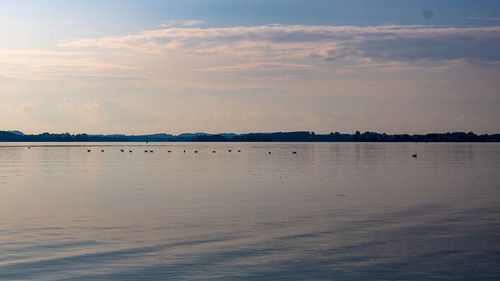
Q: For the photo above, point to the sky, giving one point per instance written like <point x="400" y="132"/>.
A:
<point x="139" y="67"/>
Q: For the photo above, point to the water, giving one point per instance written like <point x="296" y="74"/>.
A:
<point x="333" y="211"/>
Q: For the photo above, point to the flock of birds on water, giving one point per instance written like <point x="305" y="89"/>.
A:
<point x="213" y="151"/>
<point x="196" y="151"/>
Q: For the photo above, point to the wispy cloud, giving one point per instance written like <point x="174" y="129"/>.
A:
<point x="387" y="42"/>
<point x="49" y="64"/>
<point x="67" y="111"/>
<point x="192" y="22"/>
<point x="173" y="57"/>
<point x="172" y="23"/>
<point x="261" y="66"/>
<point x="50" y="113"/>
<point x="483" y="19"/>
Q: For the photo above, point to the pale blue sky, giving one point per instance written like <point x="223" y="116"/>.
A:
<point x="246" y="66"/>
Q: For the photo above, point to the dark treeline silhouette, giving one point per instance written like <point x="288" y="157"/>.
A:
<point x="16" y="136"/>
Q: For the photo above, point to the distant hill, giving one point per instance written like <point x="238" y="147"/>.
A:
<point x="303" y="136"/>
<point x="16" y="133"/>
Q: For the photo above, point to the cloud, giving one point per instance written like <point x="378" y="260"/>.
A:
<point x="71" y="112"/>
<point x="261" y="66"/>
<point x="113" y="113"/>
<point x="48" y="64"/>
<point x="452" y="118"/>
<point x="50" y="113"/>
<point x="192" y="22"/>
<point x="386" y="42"/>
<point x="445" y="47"/>
<point x="483" y="19"/>
<point x="172" y="23"/>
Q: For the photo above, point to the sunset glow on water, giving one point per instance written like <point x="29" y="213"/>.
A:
<point x="331" y="211"/>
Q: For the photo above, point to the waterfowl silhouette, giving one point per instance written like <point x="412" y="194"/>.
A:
<point x="239" y="150"/>
<point x="213" y="151"/>
<point x="102" y="150"/>
<point x="88" y="150"/>
<point x="169" y="151"/>
<point x="294" y="152"/>
<point x="229" y="150"/>
<point x="414" y="155"/>
<point x="151" y="151"/>
<point x="130" y="151"/>
<point x="122" y="150"/>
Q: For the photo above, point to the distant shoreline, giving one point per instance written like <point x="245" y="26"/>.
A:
<point x="302" y="136"/>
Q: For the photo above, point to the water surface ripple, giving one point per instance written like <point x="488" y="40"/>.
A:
<point x="332" y="211"/>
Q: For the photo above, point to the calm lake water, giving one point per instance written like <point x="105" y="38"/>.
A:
<point x="333" y="211"/>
